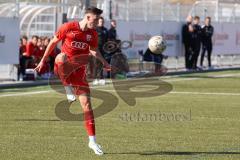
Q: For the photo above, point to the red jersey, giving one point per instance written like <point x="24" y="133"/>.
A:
<point x="31" y="50"/>
<point x="40" y="52"/>
<point x="75" y="41"/>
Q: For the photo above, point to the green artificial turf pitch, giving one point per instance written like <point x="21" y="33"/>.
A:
<point x="199" y="119"/>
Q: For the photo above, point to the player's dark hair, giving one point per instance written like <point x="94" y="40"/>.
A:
<point x="24" y="37"/>
<point x="101" y="18"/>
<point x="94" y="10"/>
<point x="113" y="20"/>
<point x="197" y="18"/>
<point x="34" y="36"/>
<point x="209" y="18"/>
<point x="46" y="38"/>
<point x="42" y="38"/>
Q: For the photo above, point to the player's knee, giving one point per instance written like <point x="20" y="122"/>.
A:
<point x="61" y="58"/>
<point x="86" y="105"/>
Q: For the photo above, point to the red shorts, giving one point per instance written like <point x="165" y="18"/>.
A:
<point x="74" y="74"/>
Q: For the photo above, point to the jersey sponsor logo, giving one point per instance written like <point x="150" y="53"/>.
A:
<point x="79" y="45"/>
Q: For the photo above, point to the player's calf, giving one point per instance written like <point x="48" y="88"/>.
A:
<point x="61" y="70"/>
<point x="90" y="124"/>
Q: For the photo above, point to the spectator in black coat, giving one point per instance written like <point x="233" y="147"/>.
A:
<point x="207" y="33"/>
<point x="112" y="32"/>
<point x="186" y="39"/>
<point x="102" y="39"/>
<point x="197" y="38"/>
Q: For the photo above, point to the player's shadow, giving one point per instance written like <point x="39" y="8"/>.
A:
<point x="173" y="153"/>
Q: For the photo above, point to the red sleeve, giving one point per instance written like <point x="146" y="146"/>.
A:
<point x="94" y="42"/>
<point x="39" y="52"/>
<point x="29" y="49"/>
<point x="62" y="31"/>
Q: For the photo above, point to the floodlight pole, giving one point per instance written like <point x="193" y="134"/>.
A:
<point x="87" y="3"/>
<point x="110" y="9"/>
<point x="17" y="8"/>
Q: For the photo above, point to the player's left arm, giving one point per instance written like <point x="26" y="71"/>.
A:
<point x="96" y="53"/>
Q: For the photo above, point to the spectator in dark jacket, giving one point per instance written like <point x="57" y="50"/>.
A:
<point x="22" y="50"/>
<point x="197" y="38"/>
<point x="102" y="39"/>
<point x="112" y="32"/>
<point x="186" y="39"/>
<point x="207" y="33"/>
<point x="102" y="35"/>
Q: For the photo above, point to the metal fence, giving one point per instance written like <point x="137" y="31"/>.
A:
<point x="42" y="16"/>
<point x="162" y="10"/>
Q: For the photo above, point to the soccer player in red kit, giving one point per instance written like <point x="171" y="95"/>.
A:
<point x="79" y="42"/>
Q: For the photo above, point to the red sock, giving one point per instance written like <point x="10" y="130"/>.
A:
<point x="89" y="122"/>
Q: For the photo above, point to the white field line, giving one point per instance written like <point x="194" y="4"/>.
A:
<point x="174" y="80"/>
<point x="47" y="91"/>
<point x="207" y="93"/>
<point x="25" y="93"/>
<point x="226" y="75"/>
<point x="183" y="79"/>
<point x="108" y="90"/>
<point x="187" y="93"/>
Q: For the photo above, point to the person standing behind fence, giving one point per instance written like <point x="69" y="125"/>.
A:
<point x="112" y="36"/>
<point x="112" y="32"/>
<point x="207" y="33"/>
<point x="186" y="39"/>
<point x="102" y="39"/>
<point x="197" y="38"/>
<point x="102" y="35"/>
<point x="22" y="50"/>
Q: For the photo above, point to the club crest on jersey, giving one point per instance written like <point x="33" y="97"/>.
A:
<point x="89" y="37"/>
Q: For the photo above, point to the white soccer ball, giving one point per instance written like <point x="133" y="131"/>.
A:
<point x="157" y="44"/>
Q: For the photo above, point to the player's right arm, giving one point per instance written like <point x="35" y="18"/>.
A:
<point x="53" y="43"/>
<point x="59" y="35"/>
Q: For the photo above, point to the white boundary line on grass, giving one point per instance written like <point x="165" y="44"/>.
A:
<point x="192" y="93"/>
<point x="174" y="80"/>
<point x="47" y="91"/>
<point x="108" y="90"/>
<point x="25" y="93"/>
<point x="207" y="93"/>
